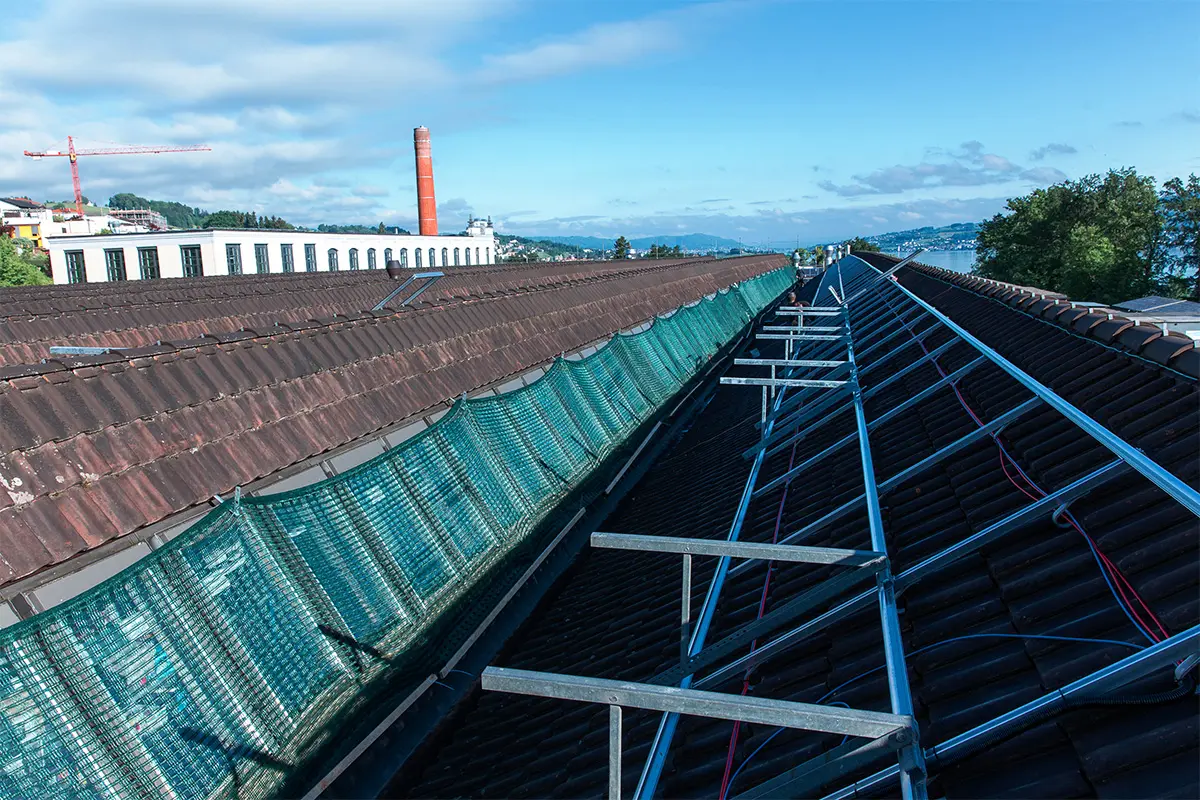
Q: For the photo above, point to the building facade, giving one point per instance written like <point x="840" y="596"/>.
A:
<point x="196" y="253"/>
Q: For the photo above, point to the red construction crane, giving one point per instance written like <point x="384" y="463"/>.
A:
<point x="74" y="155"/>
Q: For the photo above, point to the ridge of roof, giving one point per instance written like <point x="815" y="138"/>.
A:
<point x="1109" y="326"/>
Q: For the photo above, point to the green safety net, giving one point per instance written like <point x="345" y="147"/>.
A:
<point x="227" y="650"/>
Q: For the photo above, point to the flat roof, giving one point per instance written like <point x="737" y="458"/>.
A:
<point x="269" y="231"/>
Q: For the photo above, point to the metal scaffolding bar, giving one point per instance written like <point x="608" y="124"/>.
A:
<point x="722" y="547"/>
<point x="715" y="705"/>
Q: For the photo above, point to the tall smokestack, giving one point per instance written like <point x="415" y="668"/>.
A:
<point x="426" y="204"/>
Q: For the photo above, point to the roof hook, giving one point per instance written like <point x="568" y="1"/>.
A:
<point x="1057" y="516"/>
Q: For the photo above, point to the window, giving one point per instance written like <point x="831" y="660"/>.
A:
<point x="371" y="258"/>
<point x="261" y="260"/>
<point x="404" y="256"/>
<point x="387" y="256"/>
<point x="148" y="263"/>
<point x="233" y="258"/>
<point x="285" y="258"/>
<point x="477" y="261"/>
<point x="193" y="263"/>
<point x="487" y="255"/>
<point x="331" y="257"/>
<point x="432" y="258"/>
<point x="114" y="260"/>
<point x="417" y="255"/>
<point x="467" y="250"/>
<point x="310" y="258"/>
<point x="445" y="256"/>
<point x="457" y="256"/>
<point x="353" y="258"/>
<point x="75" y="270"/>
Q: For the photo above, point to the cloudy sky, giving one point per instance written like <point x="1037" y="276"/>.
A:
<point x="762" y="120"/>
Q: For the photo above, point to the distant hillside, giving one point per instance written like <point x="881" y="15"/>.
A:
<point x="691" y="241"/>
<point x="509" y="245"/>
<point x="959" y="236"/>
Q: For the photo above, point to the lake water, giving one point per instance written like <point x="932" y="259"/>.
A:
<point x="957" y="260"/>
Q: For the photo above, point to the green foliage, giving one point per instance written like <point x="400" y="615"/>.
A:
<point x="1097" y="238"/>
<point x="621" y="248"/>
<point x="177" y="214"/>
<point x="1179" y="204"/>
<point x="247" y="219"/>
<point x="17" y="268"/>
<point x="662" y="251"/>
<point x="859" y="243"/>
<point x="381" y="228"/>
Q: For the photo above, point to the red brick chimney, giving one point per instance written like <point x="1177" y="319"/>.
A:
<point x="426" y="204"/>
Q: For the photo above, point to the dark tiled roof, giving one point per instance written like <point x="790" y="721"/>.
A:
<point x="95" y="447"/>
<point x="615" y="614"/>
<point x="139" y="313"/>
<point x="21" y="202"/>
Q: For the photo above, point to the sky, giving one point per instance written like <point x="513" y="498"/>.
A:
<point x="766" y="121"/>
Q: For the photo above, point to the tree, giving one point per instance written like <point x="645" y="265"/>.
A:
<point x="1179" y="204"/>
<point x="382" y="228"/>
<point x="17" y="269"/>
<point x="621" y="248"/>
<point x="662" y="251"/>
<point x="225" y="219"/>
<point x="859" y="243"/>
<point x="1097" y="238"/>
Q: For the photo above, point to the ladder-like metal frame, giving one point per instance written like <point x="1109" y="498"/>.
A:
<point x="819" y="384"/>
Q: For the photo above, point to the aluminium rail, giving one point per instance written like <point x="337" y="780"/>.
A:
<point x="795" y="415"/>
<point x="783" y="427"/>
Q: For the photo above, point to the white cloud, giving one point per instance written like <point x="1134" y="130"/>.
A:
<point x="601" y="45"/>
<point x="970" y="166"/>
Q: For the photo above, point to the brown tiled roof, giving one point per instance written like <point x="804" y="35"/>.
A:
<point x="96" y="447"/>
<point x="140" y="313"/>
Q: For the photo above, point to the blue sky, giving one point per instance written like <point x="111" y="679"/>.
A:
<point x="770" y="122"/>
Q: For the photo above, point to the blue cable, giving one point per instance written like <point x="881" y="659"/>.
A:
<point x="839" y="687"/>
<point x="1092" y="547"/>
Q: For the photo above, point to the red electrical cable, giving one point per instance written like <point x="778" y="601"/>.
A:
<point x="1106" y="562"/>
<point x="762" y="607"/>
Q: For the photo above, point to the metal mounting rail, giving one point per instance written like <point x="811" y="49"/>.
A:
<point x="430" y="279"/>
<point x="800" y="395"/>
<point x="1108" y="679"/>
<point x="1153" y="471"/>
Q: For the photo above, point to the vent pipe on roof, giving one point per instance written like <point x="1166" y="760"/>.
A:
<point x="426" y="204"/>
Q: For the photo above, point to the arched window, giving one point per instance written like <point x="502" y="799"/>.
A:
<point x="445" y="256"/>
<point x="432" y="258"/>
<point x="417" y="256"/>
<point x="457" y="256"/>
<point x="387" y="255"/>
<point x="467" y="250"/>
<point x="371" y="258"/>
<point x="487" y="255"/>
<point x="332" y="258"/>
<point x="477" y="261"/>
<point x="353" y="258"/>
<point x="404" y="256"/>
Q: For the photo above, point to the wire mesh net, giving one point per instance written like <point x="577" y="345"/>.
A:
<point x="211" y="666"/>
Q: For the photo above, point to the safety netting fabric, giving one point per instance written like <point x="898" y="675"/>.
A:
<point x="212" y="666"/>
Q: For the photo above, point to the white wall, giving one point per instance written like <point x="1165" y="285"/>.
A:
<point x="213" y="248"/>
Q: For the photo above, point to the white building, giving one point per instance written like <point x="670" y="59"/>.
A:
<point x="189" y="254"/>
